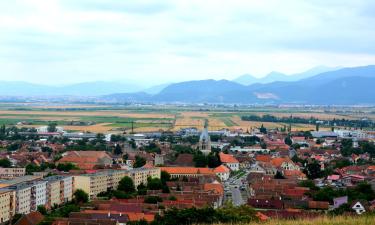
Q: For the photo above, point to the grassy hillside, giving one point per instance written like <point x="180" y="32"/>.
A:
<point x="362" y="220"/>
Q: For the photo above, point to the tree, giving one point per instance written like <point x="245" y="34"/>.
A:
<point x="310" y="184"/>
<point x="66" y="167"/>
<point x="262" y="129"/>
<point x="164" y="177"/>
<point x="142" y="189"/>
<point x="288" y="141"/>
<point x="126" y="184"/>
<point x="139" y="162"/>
<point x="313" y="170"/>
<point x="213" y="160"/>
<point x="118" y="150"/>
<point x="52" y="127"/>
<point x="153" y="199"/>
<point x="31" y="168"/>
<point x="172" y="198"/>
<point x="5" y="163"/>
<point x="80" y="196"/>
<point x="279" y="175"/>
<point x="200" y="160"/>
<point x="42" y="209"/>
<point x="154" y="184"/>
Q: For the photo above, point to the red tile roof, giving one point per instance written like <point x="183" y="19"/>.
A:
<point x="226" y="158"/>
<point x="221" y="169"/>
<point x="263" y="158"/>
<point x="187" y="170"/>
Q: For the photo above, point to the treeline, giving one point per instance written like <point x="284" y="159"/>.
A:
<point x="227" y="214"/>
<point x="311" y="120"/>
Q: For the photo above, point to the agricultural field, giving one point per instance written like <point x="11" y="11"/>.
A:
<point x="114" y="119"/>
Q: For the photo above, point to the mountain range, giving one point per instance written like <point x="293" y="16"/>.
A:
<point x="320" y="85"/>
<point x="344" y="86"/>
<point x="273" y="76"/>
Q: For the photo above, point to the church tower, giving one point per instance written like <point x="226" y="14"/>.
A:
<point x="205" y="140"/>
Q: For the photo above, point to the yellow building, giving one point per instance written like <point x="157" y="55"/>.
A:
<point x="140" y="175"/>
<point x="53" y="193"/>
<point x="92" y="184"/>
<point x="23" y="198"/>
<point x="11" y="173"/>
<point x="114" y="177"/>
<point x="6" y="204"/>
<point x="102" y="181"/>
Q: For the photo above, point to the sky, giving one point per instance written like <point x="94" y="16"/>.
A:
<point x="154" y="42"/>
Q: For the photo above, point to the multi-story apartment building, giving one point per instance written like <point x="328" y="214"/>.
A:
<point x="11" y="173"/>
<point x="67" y="187"/>
<point x="22" y="198"/>
<point x="53" y="193"/>
<point x="95" y="183"/>
<point x="114" y="177"/>
<point x="7" y="204"/>
<point x="38" y="194"/>
<point x="59" y="190"/>
<point x="92" y="184"/>
<point x="140" y="175"/>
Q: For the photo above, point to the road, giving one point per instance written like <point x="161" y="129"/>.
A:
<point x="236" y="197"/>
<point x="233" y="190"/>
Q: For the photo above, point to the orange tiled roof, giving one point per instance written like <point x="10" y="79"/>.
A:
<point x="221" y="169"/>
<point x="294" y="173"/>
<point x="140" y="216"/>
<point x="216" y="187"/>
<point x="226" y="158"/>
<point x="263" y="158"/>
<point x="279" y="161"/>
<point x="187" y="170"/>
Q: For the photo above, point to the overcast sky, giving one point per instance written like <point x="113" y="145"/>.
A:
<point x="69" y="41"/>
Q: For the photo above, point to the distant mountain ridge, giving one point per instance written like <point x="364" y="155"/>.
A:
<point x="273" y="76"/>
<point x="344" y="86"/>
<point x="20" y="88"/>
<point x="341" y="86"/>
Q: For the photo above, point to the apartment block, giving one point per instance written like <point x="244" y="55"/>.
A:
<point x="140" y="175"/>
<point x="7" y="204"/>
<point x="53" y="193"/>
<point x="38" y="194"/>
<point x="59" y="190"/>
<point x="11" y="173"/>
<point x="22" y="198"/>
<point x="102" y="181"/>
<point x="93" y="184"/>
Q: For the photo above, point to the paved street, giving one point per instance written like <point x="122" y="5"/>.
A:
<point x="234" y="192"/>
<point x="236" y="197"/>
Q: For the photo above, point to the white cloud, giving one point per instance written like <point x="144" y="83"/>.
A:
<point x="65" y="41"/>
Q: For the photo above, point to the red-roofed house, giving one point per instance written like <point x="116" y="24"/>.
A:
<point x="222" y="172"/>
<point x="228" y="160"/>
<point x="87" y="160"/>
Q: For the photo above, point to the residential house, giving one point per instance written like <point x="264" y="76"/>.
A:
<point x="87" y="159"/>
<point x="228" y="160"/>
<point x="222" y="172"/>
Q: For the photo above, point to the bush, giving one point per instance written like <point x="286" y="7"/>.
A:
<point x="80" y="196"/>
<point x="153" y="199"/>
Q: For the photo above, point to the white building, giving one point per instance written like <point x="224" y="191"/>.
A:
<point x="249" y="150"/>
<point x="38" y="194"/>
<point x="67" y="188"/>
<point x="229" y="161"/>
<point x="23" y="198"/>
<point x="222" y="172"/>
